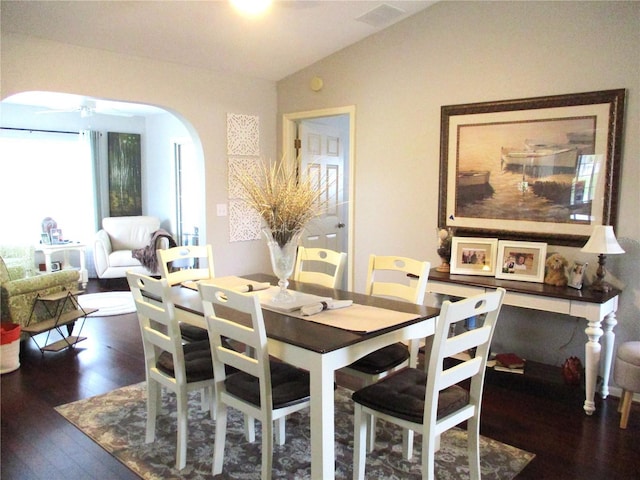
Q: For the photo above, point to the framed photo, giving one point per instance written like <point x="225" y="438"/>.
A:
<point x="538" y="169"/>
<point x="523" y="261"/>
<point x="474" y="256"/>
<point x="576" y="274"/>
<point x="45" y="239"/>
<point x="56" y="235"/>
<point x="56" y="266"/>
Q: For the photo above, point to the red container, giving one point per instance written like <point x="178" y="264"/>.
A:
<point x="9" y="332"/>
<point x="9" y="347"/>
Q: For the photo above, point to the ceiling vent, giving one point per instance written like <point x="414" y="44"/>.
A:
<point x="381" y="16"/>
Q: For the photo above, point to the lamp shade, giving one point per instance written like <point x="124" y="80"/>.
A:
<point x="603" y="240"/>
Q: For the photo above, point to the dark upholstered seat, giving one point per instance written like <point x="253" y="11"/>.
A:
<point x="191" y="333"/>
<point x="197" y="360"/>
<point x="402" y="395"/>
<point x="382" y="360"/>
<point x="289" y="385"/>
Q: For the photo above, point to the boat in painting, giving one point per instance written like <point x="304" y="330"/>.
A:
<point x="473" y="185"/>
<point x="540" y="158"/>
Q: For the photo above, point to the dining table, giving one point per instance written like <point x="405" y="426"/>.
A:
<point x="321" y="348"/>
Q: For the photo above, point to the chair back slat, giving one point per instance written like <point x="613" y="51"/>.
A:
<point x="178" y="264"/>
<point x="328" y="266"/>
<point x="460" y="372"/>
<point x="465" y="341"/>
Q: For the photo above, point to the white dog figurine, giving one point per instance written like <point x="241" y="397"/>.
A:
<point x="556" y="275"/>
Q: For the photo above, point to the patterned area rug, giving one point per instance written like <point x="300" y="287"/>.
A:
<point x="116" y="421"/>
<point x="108" y="303"/>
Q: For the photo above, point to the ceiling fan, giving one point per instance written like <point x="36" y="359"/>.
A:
<point x="88" y="108"/>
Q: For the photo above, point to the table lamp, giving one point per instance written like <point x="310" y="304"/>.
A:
<point x="603" y="242"/>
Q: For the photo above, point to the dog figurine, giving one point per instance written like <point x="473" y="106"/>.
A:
<point x="555" y="274"/>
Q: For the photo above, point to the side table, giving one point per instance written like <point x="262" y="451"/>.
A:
<point x="65" y="248"/>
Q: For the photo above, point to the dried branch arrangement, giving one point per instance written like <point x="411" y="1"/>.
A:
<point x="285" y="201"/>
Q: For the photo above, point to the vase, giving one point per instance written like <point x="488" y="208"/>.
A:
<point x="283" y="259"/>
<point x="444" y="250"/>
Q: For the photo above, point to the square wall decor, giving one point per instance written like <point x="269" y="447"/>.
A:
<point x="241" y="167"/>
<point x="244" y="222"/>
<point x="243" y="134"/>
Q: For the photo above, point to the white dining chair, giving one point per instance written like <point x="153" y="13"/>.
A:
<point x="320" y="266"/>
<point x="168" y="363"/>
<point x="261" y="388"/>
<point x="432" y="402"/>
<point x="399" y="278"/>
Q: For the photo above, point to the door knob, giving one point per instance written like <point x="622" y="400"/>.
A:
<point x="340" y="225"/>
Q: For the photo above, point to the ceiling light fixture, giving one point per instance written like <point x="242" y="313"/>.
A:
<point x="251" y="7"/>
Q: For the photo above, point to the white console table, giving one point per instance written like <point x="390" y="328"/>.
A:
<point x="65" y="248"/>
<point x="599" y="309"/>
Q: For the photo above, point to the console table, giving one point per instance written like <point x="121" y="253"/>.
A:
<point x="599" y="309"/>
<point x="65" y="248"/>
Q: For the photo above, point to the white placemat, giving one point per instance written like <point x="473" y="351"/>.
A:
<point x="359" y="318"/>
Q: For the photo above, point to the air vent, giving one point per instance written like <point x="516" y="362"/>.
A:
<point x="381" y="16"/>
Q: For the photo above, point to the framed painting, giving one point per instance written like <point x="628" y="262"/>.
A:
<point x="474" y="256"/>
<point x="125" y="174"/>
<point x="523" y="261"/>
<point x="538" y="169"/>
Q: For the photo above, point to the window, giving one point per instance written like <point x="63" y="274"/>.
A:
<point x="45" y="175"/>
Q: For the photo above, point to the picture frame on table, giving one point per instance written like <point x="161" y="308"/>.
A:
<point x="474" y="256"/>
<point x="576" y="275"/>
<point x="536" y="169"/>
<point x="56" y="236"/>
<point x="45" y="239"/>
<point x="522" y="261"/>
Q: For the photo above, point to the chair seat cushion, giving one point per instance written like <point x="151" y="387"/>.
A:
<point x="197" y="358"/>
<point x="289" y="385"/>
<point x="629" y="352"/>
<point x="402" y="395"/>
<point x="122" y="258"/>
<point x="382" y="360"/>
<point x="626" y="369"/>
<point x="192" y="333"/>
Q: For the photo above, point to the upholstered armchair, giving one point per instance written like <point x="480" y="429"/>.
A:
<point x="115" y="243"/>
<point x="17" y="293"/>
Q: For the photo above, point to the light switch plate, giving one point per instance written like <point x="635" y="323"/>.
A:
<point x="221" y="209"/>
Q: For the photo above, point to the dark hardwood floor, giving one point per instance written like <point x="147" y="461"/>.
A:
<point x="538" y="415"/>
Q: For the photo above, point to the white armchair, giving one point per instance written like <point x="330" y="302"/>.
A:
<point x="114" y="244"/>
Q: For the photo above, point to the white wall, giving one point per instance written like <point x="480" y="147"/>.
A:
<point x="465" y="52"/>
<point x="199" y="98"/>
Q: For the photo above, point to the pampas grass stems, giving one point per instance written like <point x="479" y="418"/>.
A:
<point x="284" y="201"/>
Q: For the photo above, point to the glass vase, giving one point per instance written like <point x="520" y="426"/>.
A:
<point x="283" y="259"/>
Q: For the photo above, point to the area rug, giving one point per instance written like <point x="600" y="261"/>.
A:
<point x="116" y="421"/>
<point x="108" y="303"/>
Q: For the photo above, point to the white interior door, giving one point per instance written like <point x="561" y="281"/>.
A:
<point x="343" y="119"/>
<point x="322" y="160"/>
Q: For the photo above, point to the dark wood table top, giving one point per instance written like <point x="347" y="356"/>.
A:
<point x="308" y="334"/>
<point x="530" y="288"/>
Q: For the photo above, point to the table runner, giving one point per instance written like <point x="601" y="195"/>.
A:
<point x="356" y="318"/>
